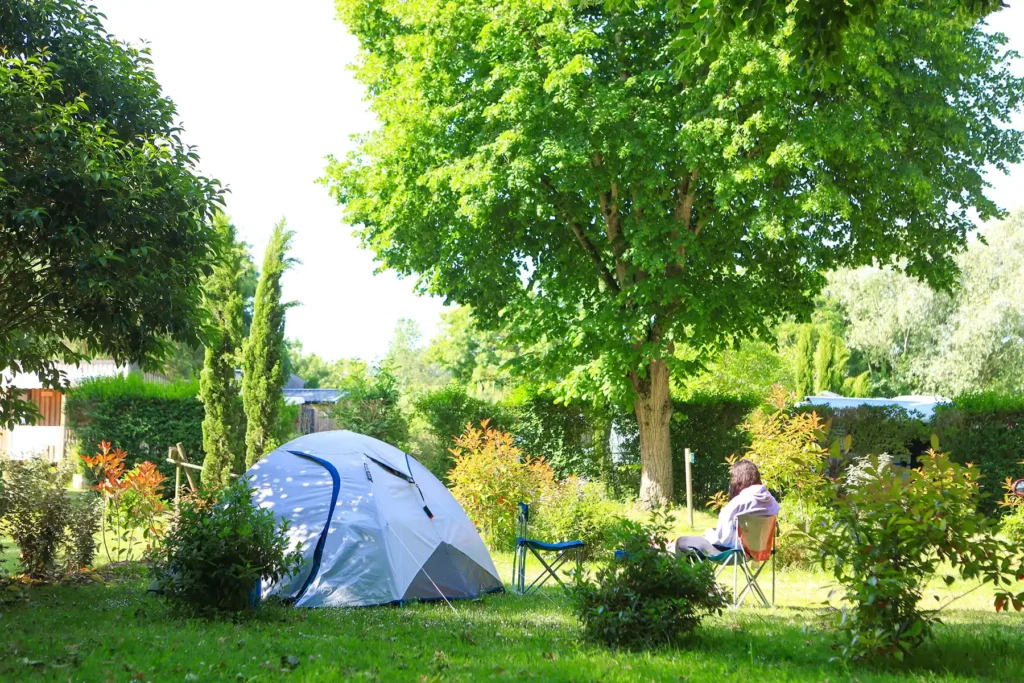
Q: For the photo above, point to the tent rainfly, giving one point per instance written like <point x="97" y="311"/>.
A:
<point x="376" y="527"/>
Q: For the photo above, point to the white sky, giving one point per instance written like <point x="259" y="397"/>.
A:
<point x="263" y="92"/>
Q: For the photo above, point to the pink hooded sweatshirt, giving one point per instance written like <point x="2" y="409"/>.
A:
<point x="754" y="499"/>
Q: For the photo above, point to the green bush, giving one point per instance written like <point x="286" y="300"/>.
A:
<point x="217" y="549"/>
<point x="891" y="533"/>
<point x="708" y="424"/>
<point x="577" y="510"/>
<point x="645" y="596"/>
<point x="83" y="524"/>
<point x="446" y="412"/>
<point x="1013" y="525"/>
<point x="986" y="430"/>
<point x="143" y="418"/>
<point x="38" y="513"/>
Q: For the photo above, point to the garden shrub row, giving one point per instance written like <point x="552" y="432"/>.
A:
<point x="143" y="418"/>
<point x="987" y="430"/>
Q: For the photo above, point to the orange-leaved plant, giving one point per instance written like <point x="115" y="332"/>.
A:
<point x="132" y="502"/>
<point x="491" y="475"/>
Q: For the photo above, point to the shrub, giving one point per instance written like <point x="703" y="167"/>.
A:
<point x="139" y="417"/>
<point x="987" y="430"/>
<point x="131" y="501"/>
<point x="38" y="512"/>
<point x="218" y="547"/>
<point x="888" y="536"/>
<point x="446" y="412"/>
<point x="646" y="596"/>
<point x="83" y="525"/>
<point x="369" y="405"/>
<point x="569" y="436"/>
<point x="576" y="509"/>
<point x="491" y="475"/>
<point x="1013" y="526"/>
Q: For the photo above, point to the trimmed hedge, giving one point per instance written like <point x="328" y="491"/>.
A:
<point x="711" y="425"/>
<point x="143" y="418"/>
<point x="986" y="429"/>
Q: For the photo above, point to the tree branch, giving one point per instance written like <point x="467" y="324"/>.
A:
<point x="595" y="255"/>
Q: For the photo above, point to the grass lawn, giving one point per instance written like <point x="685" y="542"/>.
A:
<point x="113" y="631"/>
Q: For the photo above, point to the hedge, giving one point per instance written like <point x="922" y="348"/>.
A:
<point x="711" y="425"/>
<point x="986" y="429"/>
<point x="143" y="418"/>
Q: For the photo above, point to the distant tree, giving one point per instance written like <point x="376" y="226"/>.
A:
<point x="476" y="358"/>
<point x="830" y="359"/>
<point x="919" y="341"/>
<point x="556" y="167"/>
<point x="104" y="220"/>
<point x="263" y="364"/>
<point x="370" y="405"/>
<point x="407" y="361"/>
<point x="751" y="369"/>
<point x="224" y="421"/>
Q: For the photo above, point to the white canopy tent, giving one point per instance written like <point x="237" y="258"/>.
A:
<point x="922" y="406"/>
<point x="376" y="526"/>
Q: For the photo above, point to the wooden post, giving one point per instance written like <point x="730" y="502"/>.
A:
<point x="188" y="475"/>
<point x="177" y="476"/>
<point x="689" y="486"/>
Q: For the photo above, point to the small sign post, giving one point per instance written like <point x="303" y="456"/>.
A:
<point x="689" y="485"/>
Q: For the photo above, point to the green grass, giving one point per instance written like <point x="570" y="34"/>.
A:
<point x="114" y="631"/>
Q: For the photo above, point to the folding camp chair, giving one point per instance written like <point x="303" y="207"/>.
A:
<point x="558" y="554"/>
<point x="757" y="541"/>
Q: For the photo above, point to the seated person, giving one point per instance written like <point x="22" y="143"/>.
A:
<point x="747" y="495"/>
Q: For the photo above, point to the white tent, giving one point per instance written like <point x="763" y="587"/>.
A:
<point x="375" y="525"/>
<point x="922" y="406"/>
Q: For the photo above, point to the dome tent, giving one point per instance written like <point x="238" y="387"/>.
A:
<point x="375" y="525"/>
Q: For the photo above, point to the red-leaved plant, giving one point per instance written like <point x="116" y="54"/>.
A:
<point x="132" y="502"/>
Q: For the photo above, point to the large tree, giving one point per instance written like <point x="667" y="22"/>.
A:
<point x="552" y="165"/>
<point x="104" y="233"/>
<point x="224" y="420"/>
<point x="265" y="353"/>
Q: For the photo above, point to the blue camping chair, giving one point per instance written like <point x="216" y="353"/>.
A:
<point x="558" y="554"/>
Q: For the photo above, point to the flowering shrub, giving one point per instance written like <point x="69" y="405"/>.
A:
<point x="132" y="502"/>
<point x="491" y="475"/>
<point x="885" y="538"/>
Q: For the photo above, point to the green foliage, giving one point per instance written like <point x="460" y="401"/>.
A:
<point x="103" y="218"/>
<point x="264" y="356"/>
<point x="655" y="204"/>
<point x="804" y="362"/>
<point x="38" y="512"/>
<point x="645" y="596"/>
<point x="1013" y="526"/>
<point x="143" y="418"/>
<point x="224" y="421"/>
<point x="447" y="411"/>
<point x="891" y="533"/>
<point x="569" y="436"/>
<point x="220" y="545"/>
<point x="916" y="340"/>
<point x="987" y="430"/>
<point x="751" y="369"/>
<point x="84" y="518"/>
<point x="491" y="476"/>
<point x="830" y="359"/>
<point x="577" y="509"/>
<point x="369" y="405"/>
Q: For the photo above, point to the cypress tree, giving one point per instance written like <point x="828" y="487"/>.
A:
<point x="263" y="366"/>
<point x="224" y="422"/>
<point x="830" y="359"/>
<point x="804" y="374"/>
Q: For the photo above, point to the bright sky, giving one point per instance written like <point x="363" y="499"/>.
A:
<point x="263" y="92"/>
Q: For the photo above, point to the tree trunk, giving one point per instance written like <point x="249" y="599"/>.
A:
<point x="654" y="414"/>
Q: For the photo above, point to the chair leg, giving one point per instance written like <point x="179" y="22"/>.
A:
<point x="550" y="570"/>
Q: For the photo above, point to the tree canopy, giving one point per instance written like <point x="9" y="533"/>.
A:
<point x="104" y="233"/>
<point x="554" y="166"/>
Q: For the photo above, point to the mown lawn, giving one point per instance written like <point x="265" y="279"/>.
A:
<point x="113" y="631"/>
